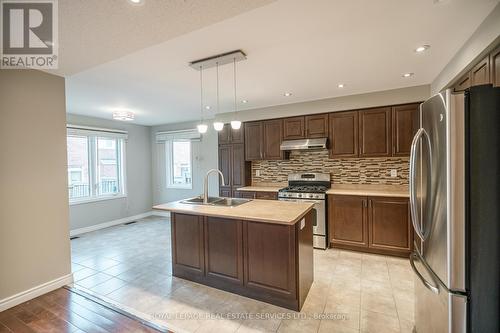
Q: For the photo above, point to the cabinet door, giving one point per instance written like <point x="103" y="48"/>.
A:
<point x="266" y="195"/>
<point x="238" y="135"/>
<point x="389" y="224"/>
<point x="347" y="220"/>
<point x="480" y="74"/>
<point x="317" y="126"/>
<point x="269" y="258"/>
<point x="188" y="257"/>
<point x="244" y="194"/>
<point x="273" y="135"/>
<point x="375" y="132"/>
<point x="463" y="83"/>
<point x="495" y="67"/>
<point x="224" y="250"/>
<point x="253" y="141"/>
<point x="238" y="167"/>
<point x="225" y="135"/>
<point x="343" y="134"/>
<point x="293" y="128"/>
<point x="404" y="126"/>
<point x="225" y="163"/>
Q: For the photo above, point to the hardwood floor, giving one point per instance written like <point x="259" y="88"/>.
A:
<point x="65" y="311"/>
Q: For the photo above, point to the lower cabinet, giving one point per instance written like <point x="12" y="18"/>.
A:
<point x="256" y="195"/>
<point x="265" y="261"/>
<point x="371" y="224"/>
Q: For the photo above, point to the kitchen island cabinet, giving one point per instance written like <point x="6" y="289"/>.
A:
<point x="265" y="255"/>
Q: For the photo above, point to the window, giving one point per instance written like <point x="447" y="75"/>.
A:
<point x="179" y="164"/>
<point x="94" y="167"/>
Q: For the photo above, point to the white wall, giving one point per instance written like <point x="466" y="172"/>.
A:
<point x="474" y="49"/>
<point x="139" y="198"/>
<point x="204" y="158"/>
<point x="34" y="235"/>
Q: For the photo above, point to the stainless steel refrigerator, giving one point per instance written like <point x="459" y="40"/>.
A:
<point x="454" y="201"/>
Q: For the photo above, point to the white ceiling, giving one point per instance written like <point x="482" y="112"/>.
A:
<point x="305" y="47"/>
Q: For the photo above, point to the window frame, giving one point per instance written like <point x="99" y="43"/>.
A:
<point x="169" y="160"/>
<point x="92" y="152"/>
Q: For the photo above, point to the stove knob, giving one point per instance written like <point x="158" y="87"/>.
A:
<point x="300" y="195"/>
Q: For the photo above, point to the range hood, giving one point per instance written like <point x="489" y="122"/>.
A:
<point x="304" y="144"/>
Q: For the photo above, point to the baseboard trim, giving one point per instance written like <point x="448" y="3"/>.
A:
<point x="26" y="295"/>
<point x="163" y="213"/>
<point x="108" y="224"/>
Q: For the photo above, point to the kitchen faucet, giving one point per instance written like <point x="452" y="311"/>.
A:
<point x="205" y="184"/>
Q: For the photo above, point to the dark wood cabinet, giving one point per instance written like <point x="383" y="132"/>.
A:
<point x="293" y="128"/>
<point x="370" y="224"/>
<point x="480" y="74"/>
<point x="253" y="141"/>
<point x="343" y="134"/>
<point x="240" y="170"/>
<point x="375" y="132"/>
<point x="404" y="127"/>
<point x="188" y="255"/>
<point x="224" y="250"/>
<point x="244" y="194"/>
<point x="316" y="126"/>
<point x="495" y="67"/>
<point x="348" y="223"/>
<point x="273" y="135"/>
<point x="463" y="83"/>
<point x="266" y="195"/>
<point x="232" y="164"/>
<point x="225" y="166"/>
<point x="229" y="135"/>
<point x="390" y="228"/>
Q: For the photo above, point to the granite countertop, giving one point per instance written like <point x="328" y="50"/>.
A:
<point x="269" y="211"/>
<point x="370" y="190"/>
<point x="261" y="188"/>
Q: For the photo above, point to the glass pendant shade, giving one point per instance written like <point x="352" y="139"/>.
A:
<point x="235" y="124"/>
<point x="218" y="126"/>
<point x="202" y="128"/>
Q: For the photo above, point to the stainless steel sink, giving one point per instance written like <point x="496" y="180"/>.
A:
<point x="216" y="201"/>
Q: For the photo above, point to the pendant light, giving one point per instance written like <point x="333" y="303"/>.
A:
<point x="218" y="126"/>
<point x="202" y="127"/>
<point x="235" y="124"/>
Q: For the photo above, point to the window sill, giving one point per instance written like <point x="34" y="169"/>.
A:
<point x="90" y="200"/>
<point x="180" y="187"/>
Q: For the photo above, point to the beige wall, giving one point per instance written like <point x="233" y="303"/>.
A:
<point x="34" y="228"/>
<point x="474" y="49"/>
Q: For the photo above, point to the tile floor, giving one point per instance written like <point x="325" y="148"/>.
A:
<point x="352" y="292"/>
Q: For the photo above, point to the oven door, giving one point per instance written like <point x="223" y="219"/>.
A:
<point x="319" y="221"/>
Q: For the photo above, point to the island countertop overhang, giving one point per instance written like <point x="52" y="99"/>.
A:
<point x="267" y="211"/>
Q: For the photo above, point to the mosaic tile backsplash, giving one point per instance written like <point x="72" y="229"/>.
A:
<point x="342" y="171"/>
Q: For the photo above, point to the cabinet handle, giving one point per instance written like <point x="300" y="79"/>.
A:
<point x="364" y="203"/>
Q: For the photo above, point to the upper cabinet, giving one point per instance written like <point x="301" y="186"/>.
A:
<point x="229" y="135"/>
<point x="273" y="135"/>
<point x="495" y="67"/>
<point x="293" y="128"/>
<point x="480" y="74"/>
<point x="463" y="83"/>
<point x="375" y="135"/>
<point x="343" y="134"/>
<point x="316" y="126"/>
<point x="253" y="141"/>
<point x="404" y="127"/>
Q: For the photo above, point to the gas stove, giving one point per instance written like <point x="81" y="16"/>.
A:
<point x="306" y="186"/>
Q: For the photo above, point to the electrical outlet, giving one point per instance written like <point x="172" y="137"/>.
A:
<point x="257" y="173"/>
<point x="394" y="173"/>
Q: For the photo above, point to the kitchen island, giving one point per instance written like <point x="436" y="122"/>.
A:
<point x="261" y="249"/>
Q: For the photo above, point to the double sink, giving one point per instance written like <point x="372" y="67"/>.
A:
<point x="216" y="201"/>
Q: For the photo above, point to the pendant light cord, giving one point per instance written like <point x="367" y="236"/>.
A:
<point x="234" y="81"/>
<point x="201" y="93"/>
<point x="217" y="76"/>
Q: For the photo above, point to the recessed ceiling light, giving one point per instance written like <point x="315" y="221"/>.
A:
<point x="287" y="94"/>
<point x="407" y="74"/>
<point x="244" y="101"/>
<point x="422" y="48"/>
<point x="340" y="85"/>
<point x="123" y="115"/>
<point x="207" y="107"/>
<point x="136" y="2"/>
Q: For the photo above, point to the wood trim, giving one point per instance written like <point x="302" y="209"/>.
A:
<point x="495" y="67"/>
<point x="480" y="73"/>
<point x="296" y="121"/>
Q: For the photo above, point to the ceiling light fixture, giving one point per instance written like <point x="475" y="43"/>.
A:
<point x="407" y="74"/>
<point x="287" y="94"/>
<point x="235" y="124"/>
<point x="340" y="85"/>
<point x="422" y="48"/>
<point x="244" y="101"/>
<point x="208" y="107"/>
<point x="136" y="2"/>
<point x="202" y="127"/>
<point x="123" y="115"/>
<point x="218" y="126"/>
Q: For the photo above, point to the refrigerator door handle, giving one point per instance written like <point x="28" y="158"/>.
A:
<point x="426" y="283"/>
<point x="413" y="188"/>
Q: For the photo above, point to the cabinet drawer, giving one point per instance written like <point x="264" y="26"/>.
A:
<point x="266" y="195"/>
